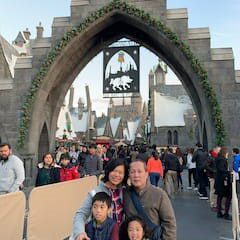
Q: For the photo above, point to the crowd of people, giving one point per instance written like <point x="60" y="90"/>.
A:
<point x="137" y="183"/>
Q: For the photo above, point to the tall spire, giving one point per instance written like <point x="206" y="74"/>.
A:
<point x="71" y="97"/>
<point x="144" y="109"/>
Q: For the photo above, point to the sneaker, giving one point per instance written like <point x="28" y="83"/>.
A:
<point x="189" y="188"/>
<point x="226" y="216"/>
<point x="199" y="194"/>
<point x="219" y="215"/>
<point x="203" y="198"/>
<point x="195" y="189"/>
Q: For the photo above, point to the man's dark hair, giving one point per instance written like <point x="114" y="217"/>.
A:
<point x="235" y="150"/>
<point x="199" y="145"/>
<point x="102" y="197"/>
<point x="92" y="146"/>
<point x="5" y="144"/>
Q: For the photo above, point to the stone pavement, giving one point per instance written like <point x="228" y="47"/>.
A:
<point x="195" y="220"/>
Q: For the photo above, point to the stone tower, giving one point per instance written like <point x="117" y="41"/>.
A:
<point x="136" y="103"/>
<point x="71" y="97"/>
<point x="160" y="73"/>
<point x="80" y="107"/>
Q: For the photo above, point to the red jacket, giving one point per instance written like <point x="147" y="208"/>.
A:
<point x="68" y="173"/>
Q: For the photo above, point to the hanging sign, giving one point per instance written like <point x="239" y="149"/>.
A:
<point x="121" y="71"/>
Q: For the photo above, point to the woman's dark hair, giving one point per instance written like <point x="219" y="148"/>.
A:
<point x="123" y="232"/>
<point x="111" y="165"/>
<point x="48" y="153"/>
<point x="155" y="155"/>
<point x="191" y="150"/>
<point x="179" y="152"/>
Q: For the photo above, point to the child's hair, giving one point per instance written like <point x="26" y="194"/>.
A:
<point x="102" y="197"/>
<point x="65" y="156"/>
<point x="123" y="233"/>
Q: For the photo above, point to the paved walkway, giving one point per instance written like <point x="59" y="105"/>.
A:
<point x="195" y="220"/>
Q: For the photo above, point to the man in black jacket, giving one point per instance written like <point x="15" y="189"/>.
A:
<point x="200" y="157"/>
<point x="172" y="166"/>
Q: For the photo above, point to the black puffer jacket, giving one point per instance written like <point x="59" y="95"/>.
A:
<point x="200" y="157"/>
<point x="223" y="184"/>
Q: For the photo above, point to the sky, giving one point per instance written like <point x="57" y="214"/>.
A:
<point x="222" y="17"/>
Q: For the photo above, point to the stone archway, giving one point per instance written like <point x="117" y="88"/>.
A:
<point x="84" y="42"/>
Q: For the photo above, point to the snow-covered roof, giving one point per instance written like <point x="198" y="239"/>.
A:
<point x="80" y="125"/>
<point x="132" y="129"/>
<point x="139" y="135"/>
<point x="24" y="48"/>
<point x="10" y="54"/>
<point x="169" y="111"/>
<point x="126" y="133"/>
<point x="114" y="123"/>
<point x="62" y="123"/>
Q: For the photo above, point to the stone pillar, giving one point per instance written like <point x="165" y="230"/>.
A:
<point x="40" y="30"/>
<point x="71" y="97"/>
<point x="30" y="166"/>
<point x="27" y="34"/>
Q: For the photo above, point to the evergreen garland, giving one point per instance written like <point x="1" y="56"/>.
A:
<point x="26" y="108"/>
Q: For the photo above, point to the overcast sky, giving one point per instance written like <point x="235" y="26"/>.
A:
<point x="222" y="17"/>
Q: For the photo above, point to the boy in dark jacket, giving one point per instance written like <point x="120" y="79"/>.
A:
<point x="102" y="227"/>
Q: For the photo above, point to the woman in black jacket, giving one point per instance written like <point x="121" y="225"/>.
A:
<point x="223" y="184"/>
<point x="48" y="171"/>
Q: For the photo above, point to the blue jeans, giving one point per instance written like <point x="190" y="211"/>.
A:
<point x="154" y="178"/>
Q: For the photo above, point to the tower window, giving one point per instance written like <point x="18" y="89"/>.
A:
<point x="169" y="137"/>
<point x="175" y="137"/>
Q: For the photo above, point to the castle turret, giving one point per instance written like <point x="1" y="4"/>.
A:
<point x="160" y="73"/>
<point x="111" y="108"/>
<point x="71" y="97"/>
<point x="40" y="30"/>
<point x="27" y="34"/>
<point x="151" y="79"/>
<point x="80" y="108"/>
<point x="137" y="104"/>
<point x="20" y="40"/>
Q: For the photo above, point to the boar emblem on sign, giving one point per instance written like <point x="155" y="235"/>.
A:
<point x="121" y="83"/>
